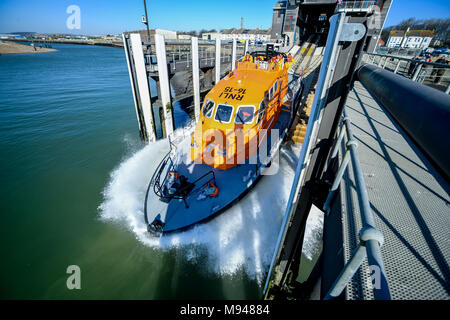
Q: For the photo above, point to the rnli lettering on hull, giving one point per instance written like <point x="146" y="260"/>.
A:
<point x="233" y="93"/>
<point x="207" y="311"/>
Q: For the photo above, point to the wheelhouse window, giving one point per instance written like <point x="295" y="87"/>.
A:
<point x="266" y="98"/>
<point x="223" y="113"/>
<point x="275" y="87"/>
<point x="208" y="108"/>
<point x="261" y="110"/>
<point x="244" y="114"/>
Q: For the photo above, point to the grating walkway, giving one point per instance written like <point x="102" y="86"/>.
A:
<point x="410" y="202"/>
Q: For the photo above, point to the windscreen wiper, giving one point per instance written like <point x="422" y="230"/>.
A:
<point x="242" y="121"/>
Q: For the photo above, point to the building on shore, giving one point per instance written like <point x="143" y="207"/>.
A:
<point x="168" y="34"/>
<point x="411" y="39"/>
<point x="184" y="37"/>
<point x="239" y="34"/>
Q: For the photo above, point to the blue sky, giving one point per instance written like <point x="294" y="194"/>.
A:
<point x="103" y="17"/>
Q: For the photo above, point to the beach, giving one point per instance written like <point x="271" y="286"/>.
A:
<point x="9" y="47"/>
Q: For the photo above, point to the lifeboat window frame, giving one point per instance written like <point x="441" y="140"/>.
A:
<point x="212" y="109"/>
<point x="273" y="90"/>
<point x="237" y="111"/>
<point x="261" y="110"/>
<point x="231" y="114"/>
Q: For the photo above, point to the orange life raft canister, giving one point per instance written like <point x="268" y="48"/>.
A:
<point x="216" y="190"/>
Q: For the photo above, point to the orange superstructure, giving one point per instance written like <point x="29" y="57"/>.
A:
<point x="240" y="111"/>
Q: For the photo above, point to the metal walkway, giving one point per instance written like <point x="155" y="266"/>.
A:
<point x="410" y="202"/>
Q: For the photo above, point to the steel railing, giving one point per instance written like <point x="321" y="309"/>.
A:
<point x="182" y="57"/>
<point x="436" y="75"/>
<point x="370" y="238"/>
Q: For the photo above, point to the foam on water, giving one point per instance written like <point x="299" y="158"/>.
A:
<point x="312" y="242"/>
<point x="242" y="237"/>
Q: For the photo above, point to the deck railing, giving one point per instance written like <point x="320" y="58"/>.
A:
<point x="436" y="75"/>
<point x="370" y="238"/>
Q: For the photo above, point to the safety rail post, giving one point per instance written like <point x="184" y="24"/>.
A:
<point x="379" y="62"/>
<point x="397" y="66"/>
<point x="343" y="166"/>
<point x="217" y="66"/>
<point x="416" y="73"/>
<point x="371" y="239"/>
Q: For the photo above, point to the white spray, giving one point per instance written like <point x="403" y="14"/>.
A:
<point x="244" y="236"/>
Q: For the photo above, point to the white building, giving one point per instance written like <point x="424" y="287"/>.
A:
<point x="420" y="39"/>
<point x="184" y="37"/>
<point x="168" y="34"/>
<point x="395" y="39"/>
<point x="413" y="39"/>
<point x="240" y="34"/>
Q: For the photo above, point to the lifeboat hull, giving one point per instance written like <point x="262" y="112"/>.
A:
<point x="178" y="214"/>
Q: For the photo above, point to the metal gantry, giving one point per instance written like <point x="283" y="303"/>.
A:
<point x="326" y="72"/>
<point x="348" y="34"/>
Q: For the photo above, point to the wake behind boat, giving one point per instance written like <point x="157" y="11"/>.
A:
<point x="243" y="121"/>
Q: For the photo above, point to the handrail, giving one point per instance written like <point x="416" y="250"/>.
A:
<point x="434" y="73"/>
<point x="371" y="239"/>
<point x="156" y="180"/>
<point x="157" y="185"/>
<point x="206" y="174"/>
<point x="407" y="59"/>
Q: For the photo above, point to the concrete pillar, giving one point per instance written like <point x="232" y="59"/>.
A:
<point x="142" y="83"/>
<point x="164" y="82"/>
<point x="233" y="56"/>
<point x="133" y="88"/>
<point x="217" y="60"/>
<point x="195" y="77"/>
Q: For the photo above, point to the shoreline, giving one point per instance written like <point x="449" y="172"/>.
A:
<point x="82" y="42"/>
<point x="10" y="47"/>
